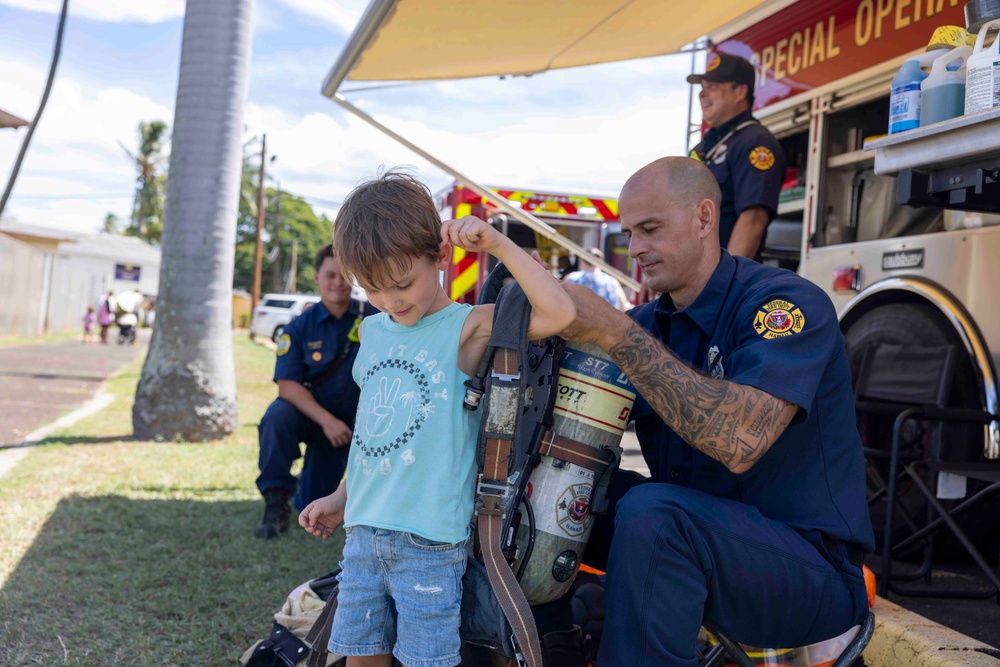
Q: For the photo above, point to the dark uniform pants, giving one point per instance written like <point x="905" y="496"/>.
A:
<point x="681" y="558"/>
<point x="281" y="431"/>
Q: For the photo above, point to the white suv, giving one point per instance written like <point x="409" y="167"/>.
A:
<point x="275" y="311"/>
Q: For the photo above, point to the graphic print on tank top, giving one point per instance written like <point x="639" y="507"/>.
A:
<point x="397" y="395"/>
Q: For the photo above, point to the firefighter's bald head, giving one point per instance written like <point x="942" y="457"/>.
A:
<point x="670" y="211"/>
<point x="686" y="181"/>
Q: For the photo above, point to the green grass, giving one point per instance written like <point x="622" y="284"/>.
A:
<point x="14" y="341"/>
<point x="120" y="552"/>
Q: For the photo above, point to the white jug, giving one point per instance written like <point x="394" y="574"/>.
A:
<point x="982" y="82"/>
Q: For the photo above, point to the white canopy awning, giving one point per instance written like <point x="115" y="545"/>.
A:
<point x="408" y="40"/>
<point x="454" y="39"/>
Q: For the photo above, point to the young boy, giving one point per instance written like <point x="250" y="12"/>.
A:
<point x="407" y="500"/>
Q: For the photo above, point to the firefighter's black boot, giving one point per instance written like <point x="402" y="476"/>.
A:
<point x="276" y="514"/>
<point x="567" y="648"/>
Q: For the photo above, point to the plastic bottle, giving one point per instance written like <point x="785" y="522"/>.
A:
<point x="982" y="89"/>
<point x="942" y="93"/>
<point x="904" y="101"/>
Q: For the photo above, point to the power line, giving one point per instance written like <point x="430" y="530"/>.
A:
<point x="88" y="195"/>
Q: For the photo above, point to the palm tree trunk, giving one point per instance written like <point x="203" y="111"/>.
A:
<point x="188" y="386"/>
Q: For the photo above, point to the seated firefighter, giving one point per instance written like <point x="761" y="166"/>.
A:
<point x="754" y="520"/>
<point x="317" y="399"/>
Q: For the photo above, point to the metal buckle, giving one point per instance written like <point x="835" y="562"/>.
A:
<point x="505" y="377"/>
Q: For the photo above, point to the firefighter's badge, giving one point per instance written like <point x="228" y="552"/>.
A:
<point x="284" y="344"/>
<point x="778" y="318"/>
<point x="317" y="355"/>
<point x="762" y="158"/>
<point x="713" y="63"/>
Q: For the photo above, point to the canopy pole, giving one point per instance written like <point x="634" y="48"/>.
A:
<point x="518" y="214"/>
<point x="377" y="12"/>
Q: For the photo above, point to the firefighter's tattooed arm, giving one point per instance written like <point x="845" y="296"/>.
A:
<point x="734" y="424"/>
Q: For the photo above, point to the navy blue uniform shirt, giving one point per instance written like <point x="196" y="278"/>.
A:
<point x="308" y="346"/>
<point x="771" y="329"/>
<point x="749" y="166"/>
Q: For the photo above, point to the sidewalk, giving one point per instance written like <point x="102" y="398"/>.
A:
<point x="40" y="383"/>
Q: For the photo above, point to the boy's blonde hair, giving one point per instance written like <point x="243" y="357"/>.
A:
<point x="383" y="226"/>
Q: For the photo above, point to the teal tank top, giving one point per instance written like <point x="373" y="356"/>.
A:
<point x="412" y="461"/>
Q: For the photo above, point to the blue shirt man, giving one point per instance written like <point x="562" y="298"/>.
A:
<point x="317" y="399"/>
<point x="744" y="156"/>
<point x="599" y="282"/>
<point x="755" y="518"/>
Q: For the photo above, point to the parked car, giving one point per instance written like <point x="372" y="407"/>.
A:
<point x="275" y="311"/>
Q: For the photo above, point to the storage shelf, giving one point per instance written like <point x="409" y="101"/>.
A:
<point x="851" y="159"/>
<point x="964" y="140"/>
<point x="793" y="206"/>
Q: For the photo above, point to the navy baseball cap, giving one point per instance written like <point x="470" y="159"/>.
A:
<point x="723" y="68"/>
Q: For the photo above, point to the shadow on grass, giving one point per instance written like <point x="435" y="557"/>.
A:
<point x="111" y="580"/>
<point x="75" y="440"/>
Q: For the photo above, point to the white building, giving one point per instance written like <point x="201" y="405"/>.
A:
<point x="48" y="277"/>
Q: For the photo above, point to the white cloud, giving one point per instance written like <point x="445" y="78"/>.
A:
<point x="344" y="13"/>
<point x="112" y="11"/>
<point x="75" y="149"/>
<point x="325" y="155"/>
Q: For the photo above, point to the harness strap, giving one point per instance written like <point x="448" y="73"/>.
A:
<point x="490" y="527"/>
<point x="576" y="452"/>
<point x="319" y="634"/>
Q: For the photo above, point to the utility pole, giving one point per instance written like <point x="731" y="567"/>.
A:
<point x="276" y="252"/>
<point x="258" y="249"/>
<point x="293" y="267"/>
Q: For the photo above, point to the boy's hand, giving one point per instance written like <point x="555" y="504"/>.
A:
<point x="323" y="516"/>
<point x="471" y="233"/>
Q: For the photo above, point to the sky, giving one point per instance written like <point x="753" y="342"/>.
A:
<point x="577" y="131"/>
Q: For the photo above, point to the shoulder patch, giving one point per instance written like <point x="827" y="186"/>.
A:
<point x="762" y="158"/>
<point x="284" y="344"/>
<point x="778" y="318"/>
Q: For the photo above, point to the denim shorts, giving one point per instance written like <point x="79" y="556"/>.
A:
<point x="400" y="594"/>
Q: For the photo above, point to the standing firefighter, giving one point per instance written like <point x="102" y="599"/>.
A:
<point x="743" y="155"/>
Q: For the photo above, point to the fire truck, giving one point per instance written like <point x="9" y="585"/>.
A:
<point x="590" y="221"/>
<point x="901" y="231"/>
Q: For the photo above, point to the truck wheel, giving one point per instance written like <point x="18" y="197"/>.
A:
<point x="280" y="329"/>
<point x="921" y="325"/>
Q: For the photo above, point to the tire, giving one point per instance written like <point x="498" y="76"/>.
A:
<point x="280" y="329"/>
<point x="921" y="325"/>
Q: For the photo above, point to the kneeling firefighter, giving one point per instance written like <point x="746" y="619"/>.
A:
<point x="553" y="417"/>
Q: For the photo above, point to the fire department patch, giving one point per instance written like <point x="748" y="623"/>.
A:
<point x="284" y="344"/>
<point x="778" y="318"/>
<point x="573" y="509"/>
<point x="713" y="62"/>
<point x="762" y="158"/>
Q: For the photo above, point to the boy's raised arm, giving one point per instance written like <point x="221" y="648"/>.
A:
<point x="552" y="309"/>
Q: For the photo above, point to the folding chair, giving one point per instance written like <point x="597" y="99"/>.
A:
<point x="739" y="656"/>
<point x="914" y="383"/>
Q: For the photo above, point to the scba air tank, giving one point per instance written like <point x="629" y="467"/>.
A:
<point x="593" y="405"/>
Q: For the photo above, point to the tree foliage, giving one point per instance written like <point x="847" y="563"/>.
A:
<point x="151" y="186"/>
<point x="294" y="220"/>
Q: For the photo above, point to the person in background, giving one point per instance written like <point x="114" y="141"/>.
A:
<point x="317" y="399"/>
<point x="745" y="158"/>
<point x="601" y="283"/>
<point x="88" y="325"/>
<point x="106" y="315"/>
